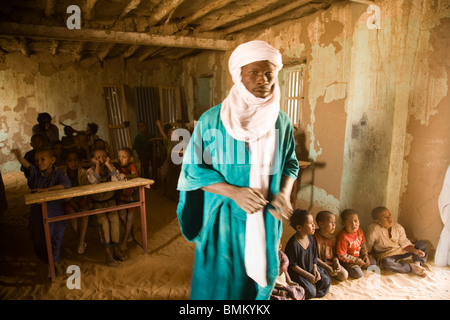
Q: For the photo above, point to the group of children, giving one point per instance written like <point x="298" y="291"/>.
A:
<point x="42" y="175"/>
<point x="313" y="256"/>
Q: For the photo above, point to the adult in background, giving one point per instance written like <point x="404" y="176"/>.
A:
<point x="46" y="129"/>
<point x="240" y="165"/>
<point x="442" y="256"/>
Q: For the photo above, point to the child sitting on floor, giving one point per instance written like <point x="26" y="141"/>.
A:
<point x="326" y="245"/>
<point x="103" y="171"/>
<point x="387" y="239"/>
<point x="78" y="177"/>
<point x="351" y="245"/>
<point x="302" y="253"/>
<point x="285" y="288"/>
<point x="129" y="171"/>
<point x="44" y="177"/>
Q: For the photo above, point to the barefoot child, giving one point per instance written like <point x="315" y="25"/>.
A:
<point x="78" y="177"/>
<point x="326" y="245"/>
<point x="44" y="177"/>
<point x="103" y="171"/>
<point x="302" y="253"/>
<point x="351" y="245"/>
<point x="129" y="171"/>
<point x="387" y="239"/>
<point x="285" y="288"/>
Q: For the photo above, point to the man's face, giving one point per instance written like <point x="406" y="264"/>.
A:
<point x="259" y="78"/>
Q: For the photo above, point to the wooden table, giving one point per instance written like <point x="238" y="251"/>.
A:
<point x="44" y="197"/>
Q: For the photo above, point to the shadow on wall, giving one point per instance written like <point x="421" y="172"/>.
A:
<point x="303" y="155"/>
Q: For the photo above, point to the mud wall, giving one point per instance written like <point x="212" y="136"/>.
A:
<point x="70" y="91"/>
<point x="376" y="109"/>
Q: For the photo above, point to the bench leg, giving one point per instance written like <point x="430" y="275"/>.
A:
<point x="143" y="218"/>
<point x="51" y="263"/>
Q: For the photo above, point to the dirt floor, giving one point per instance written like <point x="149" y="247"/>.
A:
<point x="163" y="273"/>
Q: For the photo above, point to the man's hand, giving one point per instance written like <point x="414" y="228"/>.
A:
<point x="282" y="207"/>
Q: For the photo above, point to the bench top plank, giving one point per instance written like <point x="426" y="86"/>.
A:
<point x="41" y="197"/>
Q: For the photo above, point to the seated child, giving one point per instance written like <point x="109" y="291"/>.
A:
<point x="37" y="143"/>
<point x="44" y="177"/>
<point x="143" y="148"/>
<point x="80" y="145"/>
<point x="351" y="245"/>
<point x="68" y="139"/>
<point x="103" y="171"/>
<point x="389" y="244"/>
<point x="58" y="151"/>
<point x="302" y="253"/>
<point x="285" y="288"/>
<point x="77" y="177"/>
<point x="128" y="169"/>
<point x="326" y="245"/>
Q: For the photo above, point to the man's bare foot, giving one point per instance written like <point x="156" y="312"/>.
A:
<point x="417" y="269"/>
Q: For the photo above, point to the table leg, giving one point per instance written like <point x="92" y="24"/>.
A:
<point x="143" y="218"/>
<point x="48" y="242"/>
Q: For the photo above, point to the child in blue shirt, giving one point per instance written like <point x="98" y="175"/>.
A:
<point x="44" y="176"/>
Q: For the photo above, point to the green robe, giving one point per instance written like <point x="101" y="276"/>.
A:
<point x="214" y="222"/>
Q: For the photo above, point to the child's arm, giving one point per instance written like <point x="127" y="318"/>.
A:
<point x="20" y="158"/>
<point x="305" y="274"/>
<point x="327" y="267"/>
<point x="316" y="273"/>
<point x="161" y="131"/>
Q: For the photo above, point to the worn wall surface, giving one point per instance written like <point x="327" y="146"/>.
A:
<point x="70" y="91"/>
<point x="376" y="112"/>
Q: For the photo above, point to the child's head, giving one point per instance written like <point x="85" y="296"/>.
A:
<point x="142" y="126"/>
<point x="69" y="131"/>
<point x="326" y="221"/>
<point x="44" y="159"/>
<point x="80" y="140"/>
<point x="57" y="148"/>
<point x="37" y="142"/>
<point x="302" y="222"/>
<point x="99" y="143"/>
<point x="100" y="155"/>
<point x="91" y="128"/>
<point x="350" y="220"/>
<point x="72" y="160"/>
<point x="45" y="120"/>
<point x="125" y="156"/>
<point x="383" y="217"/>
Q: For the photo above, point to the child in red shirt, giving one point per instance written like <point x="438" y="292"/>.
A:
<point x="351" y="245"/>
<point x="127" y="170"/>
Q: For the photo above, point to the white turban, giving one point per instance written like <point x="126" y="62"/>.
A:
<point x="245" y="116"/>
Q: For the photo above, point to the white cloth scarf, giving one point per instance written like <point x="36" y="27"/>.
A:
<point x="252" y="119"/>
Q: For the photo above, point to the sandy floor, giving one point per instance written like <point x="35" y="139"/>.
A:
<point x="164" y="273"/>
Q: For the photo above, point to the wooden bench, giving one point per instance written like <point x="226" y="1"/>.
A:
<point x="44" y="197"/>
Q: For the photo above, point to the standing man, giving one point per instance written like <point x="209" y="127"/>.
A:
<point x="236" y="180"/>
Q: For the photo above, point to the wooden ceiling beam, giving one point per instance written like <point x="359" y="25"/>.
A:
<point x="270" y="15"/>
<point x="79" y="50"/>
<point x="149" y="52"/>
<point x="204" y="11"/>
<point x="23" y="46"/>
<point x="102" y="55"/>
<point x="130" y="51"/>
<point x="249" y="9"/>
<point x="165" y="8"/>
<point x="89" y="35"/>
<point x="54" y="47"/>
<point x="49" y="9"/>
<point x="133" y="4"/>
<point x="89" y="9"/>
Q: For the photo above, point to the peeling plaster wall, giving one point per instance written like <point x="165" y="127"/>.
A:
<point x="69" y="91"/>
<point x="376" y="109"/>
